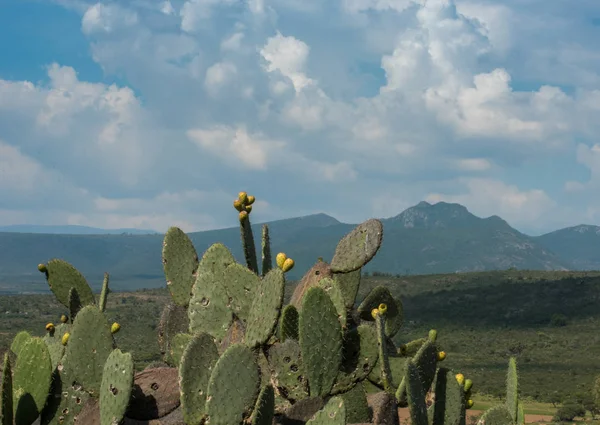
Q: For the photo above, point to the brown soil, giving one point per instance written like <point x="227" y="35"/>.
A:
<point x="541" y="419"/>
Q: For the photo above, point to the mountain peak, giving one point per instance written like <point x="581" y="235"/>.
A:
<point x="438" y="215"/>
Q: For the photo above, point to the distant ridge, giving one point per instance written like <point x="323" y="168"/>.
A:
<point x="70" y="229"/>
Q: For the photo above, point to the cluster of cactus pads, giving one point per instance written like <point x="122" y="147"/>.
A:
<point x="235" y="354"/>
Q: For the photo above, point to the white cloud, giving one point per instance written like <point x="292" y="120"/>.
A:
<point x="218" y="75"/>
<point x="107" y="18"/>
<point x="287" y="55"/>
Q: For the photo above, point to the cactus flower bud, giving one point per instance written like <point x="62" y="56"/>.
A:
<point x="63" y="319"/>
<point x="251" y="199"/>
<point x="280" y="259"/>
<point x="432" y="335"/>
<point x="42" y="268"/>
<point x="248" y="209"/>
<point x="460" y="378"/>
<point x="441" y="356"/>
<point x="115" y="328"/>
<point x="50" y="327"/>
<point x="243" y="215"/>
<point x="470" y="403"/>
<point x="468" y="384"/>
<point x="243" y="197"/>
<point x="382" y="308"/>
<point x="237" y="205"/>
<point x="374" y="313"/>
<point x="288" y="264"/>
<point x="65" y="338"/>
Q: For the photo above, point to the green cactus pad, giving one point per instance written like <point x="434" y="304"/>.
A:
<point x="62" y="276"/>
<point x="266" y="307"/>
<point x="449" y="407"/>
<point x="359" y="355"/>
<point x="74" y="303"/>
<point x="197" y="363"/>
<point x="180" y="262"/>
<point x="19" y="340"/>
<point x="411" y="348"/>
<point x="6" y="393"/>
<point x="178" y="345"/>
<point x="426" y="362"/>
<point x="333" y="290"/>
<point x="233" y="386"/>
<point x="512" y="389"/>
<point x="394" y="316"/>
<point x="358" y="247"/>
<point x="397" y="368"/>
<point x="264" y="408"/>
<point x="31" y="381"/>
<point x="357" y="408"/>
<point x="240" y="284"/>
<point x="348" y="284"/>
<point x="415" y="395"/>
<point x="320" y="335"/>
<point x="89" y="346"/>
<point x="288" y="323"/>
<point x="497" y="415"/>
<point x="173" y="320"/>
<point x="66" y="400"/>
<point x="216" y="259"/>
<point x="334" y="413"/>
<point x="287" y="370"/>
<point x="54" y="343"/>
<point x="209" y="307"/>
<point x="115" y="391"/>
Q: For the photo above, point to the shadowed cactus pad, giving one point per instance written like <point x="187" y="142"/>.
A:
<point x="358" y="247"/>
<point x="6" y="393"/>
<point x="31" y="381"/>
<point x="54" y="342"/>
<point x="320" y="341"/>
<point x="174" y="320"/>
<point x="497" y="415"/>
<point x="266" y="307"/>
<point x="394" y="316"/>
<point x="334" y="413"/>
<point x="449" y="406"/>
<point x="90" y="344"/>
<point x="332" y="289"/>
<point x="285" y="363"/>
<point x="288" y="323"/>
<point x="197" y="363"/>
<point x="415" y="394"/>
<point x="265" y="407"/>
<point x="115" y="391"/>
<point x="348" y="284"/>
<point x="233" y="386"/>
<point x="180" y="262"/>
<point x="359" y="355"/>
<point x="61" y="277"/>
<point x="240" y="284"/>
<point x="178" y="345"/>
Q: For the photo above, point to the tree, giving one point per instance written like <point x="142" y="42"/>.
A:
<point x="568" y="412"/>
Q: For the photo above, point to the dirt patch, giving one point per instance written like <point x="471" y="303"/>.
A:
<point x="404" y="415"/>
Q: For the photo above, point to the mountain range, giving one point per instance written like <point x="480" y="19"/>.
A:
<point x="424" y="239"/>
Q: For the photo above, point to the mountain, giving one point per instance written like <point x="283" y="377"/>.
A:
<point x="579" y="245"/>
<point x="70" y="230"/>
<point x="424" y="239"/>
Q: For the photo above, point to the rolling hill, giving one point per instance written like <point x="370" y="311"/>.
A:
<point x="424" y="239"/>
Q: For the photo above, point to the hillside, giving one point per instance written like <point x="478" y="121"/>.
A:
<point x="424" y="239"/>
<point x="70" y="230"/>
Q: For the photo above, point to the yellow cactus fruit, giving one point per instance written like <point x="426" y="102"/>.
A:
<point x="237" y="205"/>
<point x="432" y="335"/>
<point x="251" y="199"/>
<point x="460" y="378"/>
<point x="280" y="259"/>
<point x="382" y="309"/>
<point x="468" y="384"/>
<point x="42" y="268"/>
<point x="243" y="197"/>
<point x="374" y="313"/>
<point x="288" y="264"/>
<point x="441" y="356"/>
<point x="243" y="215"/>
<point x="50" y="327"/>
<point x="470" y="403"/>
<point x="65" y="338"/>
<point x="64" y="319"/>
<point x="248" y="209"/>
<point x="115" y="328"/>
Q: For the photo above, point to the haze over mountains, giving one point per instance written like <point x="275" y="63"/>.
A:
<point x="424" y="239"/>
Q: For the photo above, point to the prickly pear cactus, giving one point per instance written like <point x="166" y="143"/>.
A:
<point x="61" y="277"/>
<point x="115" y="391"/>
<point x="6" y="394"/>
<point x="180" y="262"/>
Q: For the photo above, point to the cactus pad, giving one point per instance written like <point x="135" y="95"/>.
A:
<point x="358" y="247"/>
<point x="288" y="323"/>
<point x="265" y="407"/>
<point x="426" y="362"/>
<point x="89" y="346"/>
<point x="311" y="278"/>
<point x="360" y="355"/>
<point x="6" y="393"/>
<point x="497" y="415"/>
<point x="320" y="335"/>
<point x="233" y="386"/>
<point x="180" y="262"/>
<point x="197" y="363"/>
<point x="334" y="413"/>
<point x="178" y="346"/>
<point x="62" y="276"/>
<point x="74" y="303"/>
<point x="285" y="363"/>
<point x="449" y="405"/>
<point x="66" y="400"/>
<point x="332" y="289"/>
<point x="240" y="284"/>
<point x="415" y="394"/>
<point x="174" y="320"/>
<point x="54" y="343"/>
<point x="357" y="408"/>
<point x="31" y="380"/>
<point x="19" y="340"/>
<point x="266" y="307"/>
<point x="394" y="316"/>
<point x="348" y="284"/>
<point x="216" y="259"/>
<point x="235" y="334"/>
<point x="115" y="391"/>
<point x="512" y="389"/>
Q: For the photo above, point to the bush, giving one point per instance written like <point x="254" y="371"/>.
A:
<point x="568" y="412"/>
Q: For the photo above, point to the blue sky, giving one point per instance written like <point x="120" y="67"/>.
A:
<point x="149" y="114"/>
